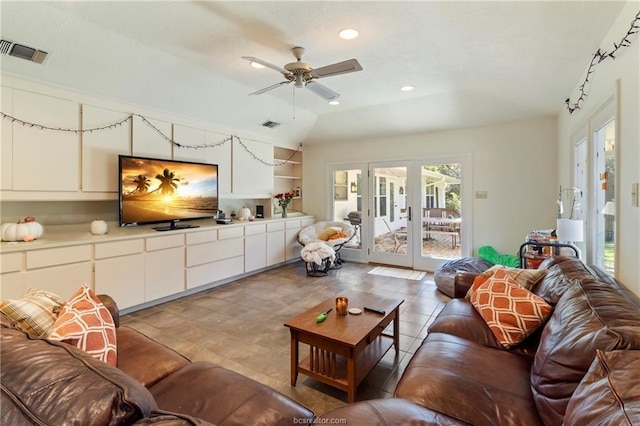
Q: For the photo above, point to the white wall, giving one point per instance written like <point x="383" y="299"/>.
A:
<point x="514" y="162"/>
<point x="625" y="71"/>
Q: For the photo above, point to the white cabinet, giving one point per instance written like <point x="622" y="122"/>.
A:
<point x="275" y="243"/>
<point x="147" y="142"/>
<point x="100" y="149"/>
<point x="11" y="277"/>
<point x="188" y="137"/>
<point x="45" y="160"/>
<point x="119" y="271"/>
<point x="59" y="270"/>
<point x="212" y="257"/>
<point x="6" y="139"/>
<point x="164" y="264"/>
<point x="251" y="177"/>
<point x="255" y="247"/>
<point x="293" y="247"/>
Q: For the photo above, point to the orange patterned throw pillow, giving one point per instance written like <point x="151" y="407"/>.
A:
<point x="86" y="323"/>
<point x="511" y="312"/>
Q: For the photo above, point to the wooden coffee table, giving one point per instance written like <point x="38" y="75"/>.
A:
<point x="344" y="349"/>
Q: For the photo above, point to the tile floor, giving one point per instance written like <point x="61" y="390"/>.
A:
<point x="240" y="326"/>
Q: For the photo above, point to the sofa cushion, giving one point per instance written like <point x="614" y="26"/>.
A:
<point x="512" y="312"/>
<point x="589" y="316"/>
<point x="386" y="412"/>
<point x="562" y="273"/>
<point x="47" y="382"/>
<point x="610" y="391"/>
<point x="469" y="381"/>
<point x="35" y="313"/>
<point x="223" y="397"/>
<point x="134" y="352"/>
<point x="86" y="323"/>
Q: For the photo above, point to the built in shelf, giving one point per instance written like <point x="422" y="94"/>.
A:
<point x="286" y="177"/>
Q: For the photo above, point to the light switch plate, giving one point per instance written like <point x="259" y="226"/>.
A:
<point x="481" y="194"/>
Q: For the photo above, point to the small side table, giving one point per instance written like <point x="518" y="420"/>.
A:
<point x="539" y="244"/>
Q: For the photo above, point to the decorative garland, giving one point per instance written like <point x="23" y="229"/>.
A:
<point x="148" y="123"/>
<point x="600" y="56"/>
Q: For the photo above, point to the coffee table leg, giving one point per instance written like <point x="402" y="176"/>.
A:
<point x="351" y="378"/>
<point x="396" y="330"/>
<point x="294" y="358"/>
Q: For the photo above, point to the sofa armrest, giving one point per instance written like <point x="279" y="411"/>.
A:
<point x="462" y="283"/>
<point x="112" y="306"/>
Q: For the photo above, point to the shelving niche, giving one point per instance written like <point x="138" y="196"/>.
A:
<point x="288" y="176"/>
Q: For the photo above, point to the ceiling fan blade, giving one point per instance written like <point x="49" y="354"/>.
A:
<point x="266" y="89"/>
<point x="322" y="91"/>
<point x="351" y="65"/>
<point x="266" y="64"/>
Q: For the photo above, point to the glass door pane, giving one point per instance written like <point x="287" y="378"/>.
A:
<point x="390" y="227"/>
<point x="347" y="201"/>
<point x="440" y="212"/>
<point x="605" y="207"/>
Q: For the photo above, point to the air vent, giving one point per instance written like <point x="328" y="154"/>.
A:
<point x="270" y="124"/>
<point x="23" y="52"/>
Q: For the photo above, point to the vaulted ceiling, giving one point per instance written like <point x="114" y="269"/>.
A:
<point x="472" y="63"/>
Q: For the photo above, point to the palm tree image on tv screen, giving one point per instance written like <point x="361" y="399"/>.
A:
<point x="154" y="190"/>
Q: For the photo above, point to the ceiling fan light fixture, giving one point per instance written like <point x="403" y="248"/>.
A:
<point x="348" y="34"/>
<point x="407" y="88"/>
<point x="257" y="65"/>
<point x="299" y="81"/>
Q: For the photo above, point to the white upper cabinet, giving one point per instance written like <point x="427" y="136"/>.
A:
<point x="220" y="155"/>
<point x="147" y="142"/>
<point x="45" y="160"/>
<point x="250" y="176"/>
<point x="188" y="137"/>
<point x="6" y="140"/>
<point x="100" y="149"/>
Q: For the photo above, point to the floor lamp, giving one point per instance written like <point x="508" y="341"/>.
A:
<point x="570" y="231"/>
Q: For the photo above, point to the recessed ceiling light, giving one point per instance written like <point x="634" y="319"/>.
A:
<point x="334" y="102"/>
<point x="349" y="34"/>
<point x="407" y="88"/>
<point x="257" y="65"/>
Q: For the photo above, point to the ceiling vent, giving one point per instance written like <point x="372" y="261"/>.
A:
<point x="270" y="124"/>
<point x="23" y="52"/>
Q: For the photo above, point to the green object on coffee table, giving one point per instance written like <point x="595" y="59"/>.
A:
<point x="323" y="316"/>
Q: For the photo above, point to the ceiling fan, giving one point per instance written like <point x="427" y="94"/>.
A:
<point x="302" y="74"/>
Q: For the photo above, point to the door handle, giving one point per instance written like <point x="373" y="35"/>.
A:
<point x="409" y="217"/>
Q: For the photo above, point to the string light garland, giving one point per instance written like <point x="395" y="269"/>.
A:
<point x="600" y="56"/>
<point x="162" y="135"/>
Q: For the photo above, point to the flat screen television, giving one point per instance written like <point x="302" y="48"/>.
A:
<point x="155" y="191"/>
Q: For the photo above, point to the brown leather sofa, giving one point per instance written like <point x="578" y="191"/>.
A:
<point x="50" y="383"/>
<point x="580" y="368"/>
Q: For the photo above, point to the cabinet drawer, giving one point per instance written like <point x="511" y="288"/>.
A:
<point x="292" y="224"/>
<point x="227" y="233"/>
<point x="160" y="243"/>
<point x="118" y="248"/>
<point x="202" y="237"/>
<point x="211" y="272"/>
<point x="215" y="250"/>
<point x="58" y="256"/>
<point x="308" y="221"/>
<point x="275" y="226"/>
<point x="254" y="229"/>
<point x="11" y="262"/>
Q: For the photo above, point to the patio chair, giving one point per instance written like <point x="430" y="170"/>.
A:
<point x="399" y="236"/>
<point x="321" y="243"/>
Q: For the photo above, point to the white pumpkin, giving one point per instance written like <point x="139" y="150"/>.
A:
<point x="244" y="214"/>
<point x="18" y="231"/>
<point x="98" y="227"/>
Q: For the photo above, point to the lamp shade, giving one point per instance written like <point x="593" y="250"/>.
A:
<point x="609" y="208"/>
<point x="570" y="230"/>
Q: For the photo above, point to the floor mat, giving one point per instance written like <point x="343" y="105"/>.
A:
<point x="398" y="273"/>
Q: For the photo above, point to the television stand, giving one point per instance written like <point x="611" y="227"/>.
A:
<point x="174" y="226"/>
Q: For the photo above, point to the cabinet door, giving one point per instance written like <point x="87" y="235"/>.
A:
<point x="11" y="286"/>
<point x="147" y="142"/>
<point x="45" y="160"/>
<point x="255" y="252"/>
<point x="6" y="140"/>
<point x="61" y="280"/>
<point x="188" y="137"/>
<point x="220" y="155"/>
<point x="121" y="278"/>
<point x="100" y="149"/>
<point x="251" y="177"/>
<point x="275" y="247"/>
<point x="293" y="247"/>
<point x="164" y="273"/>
